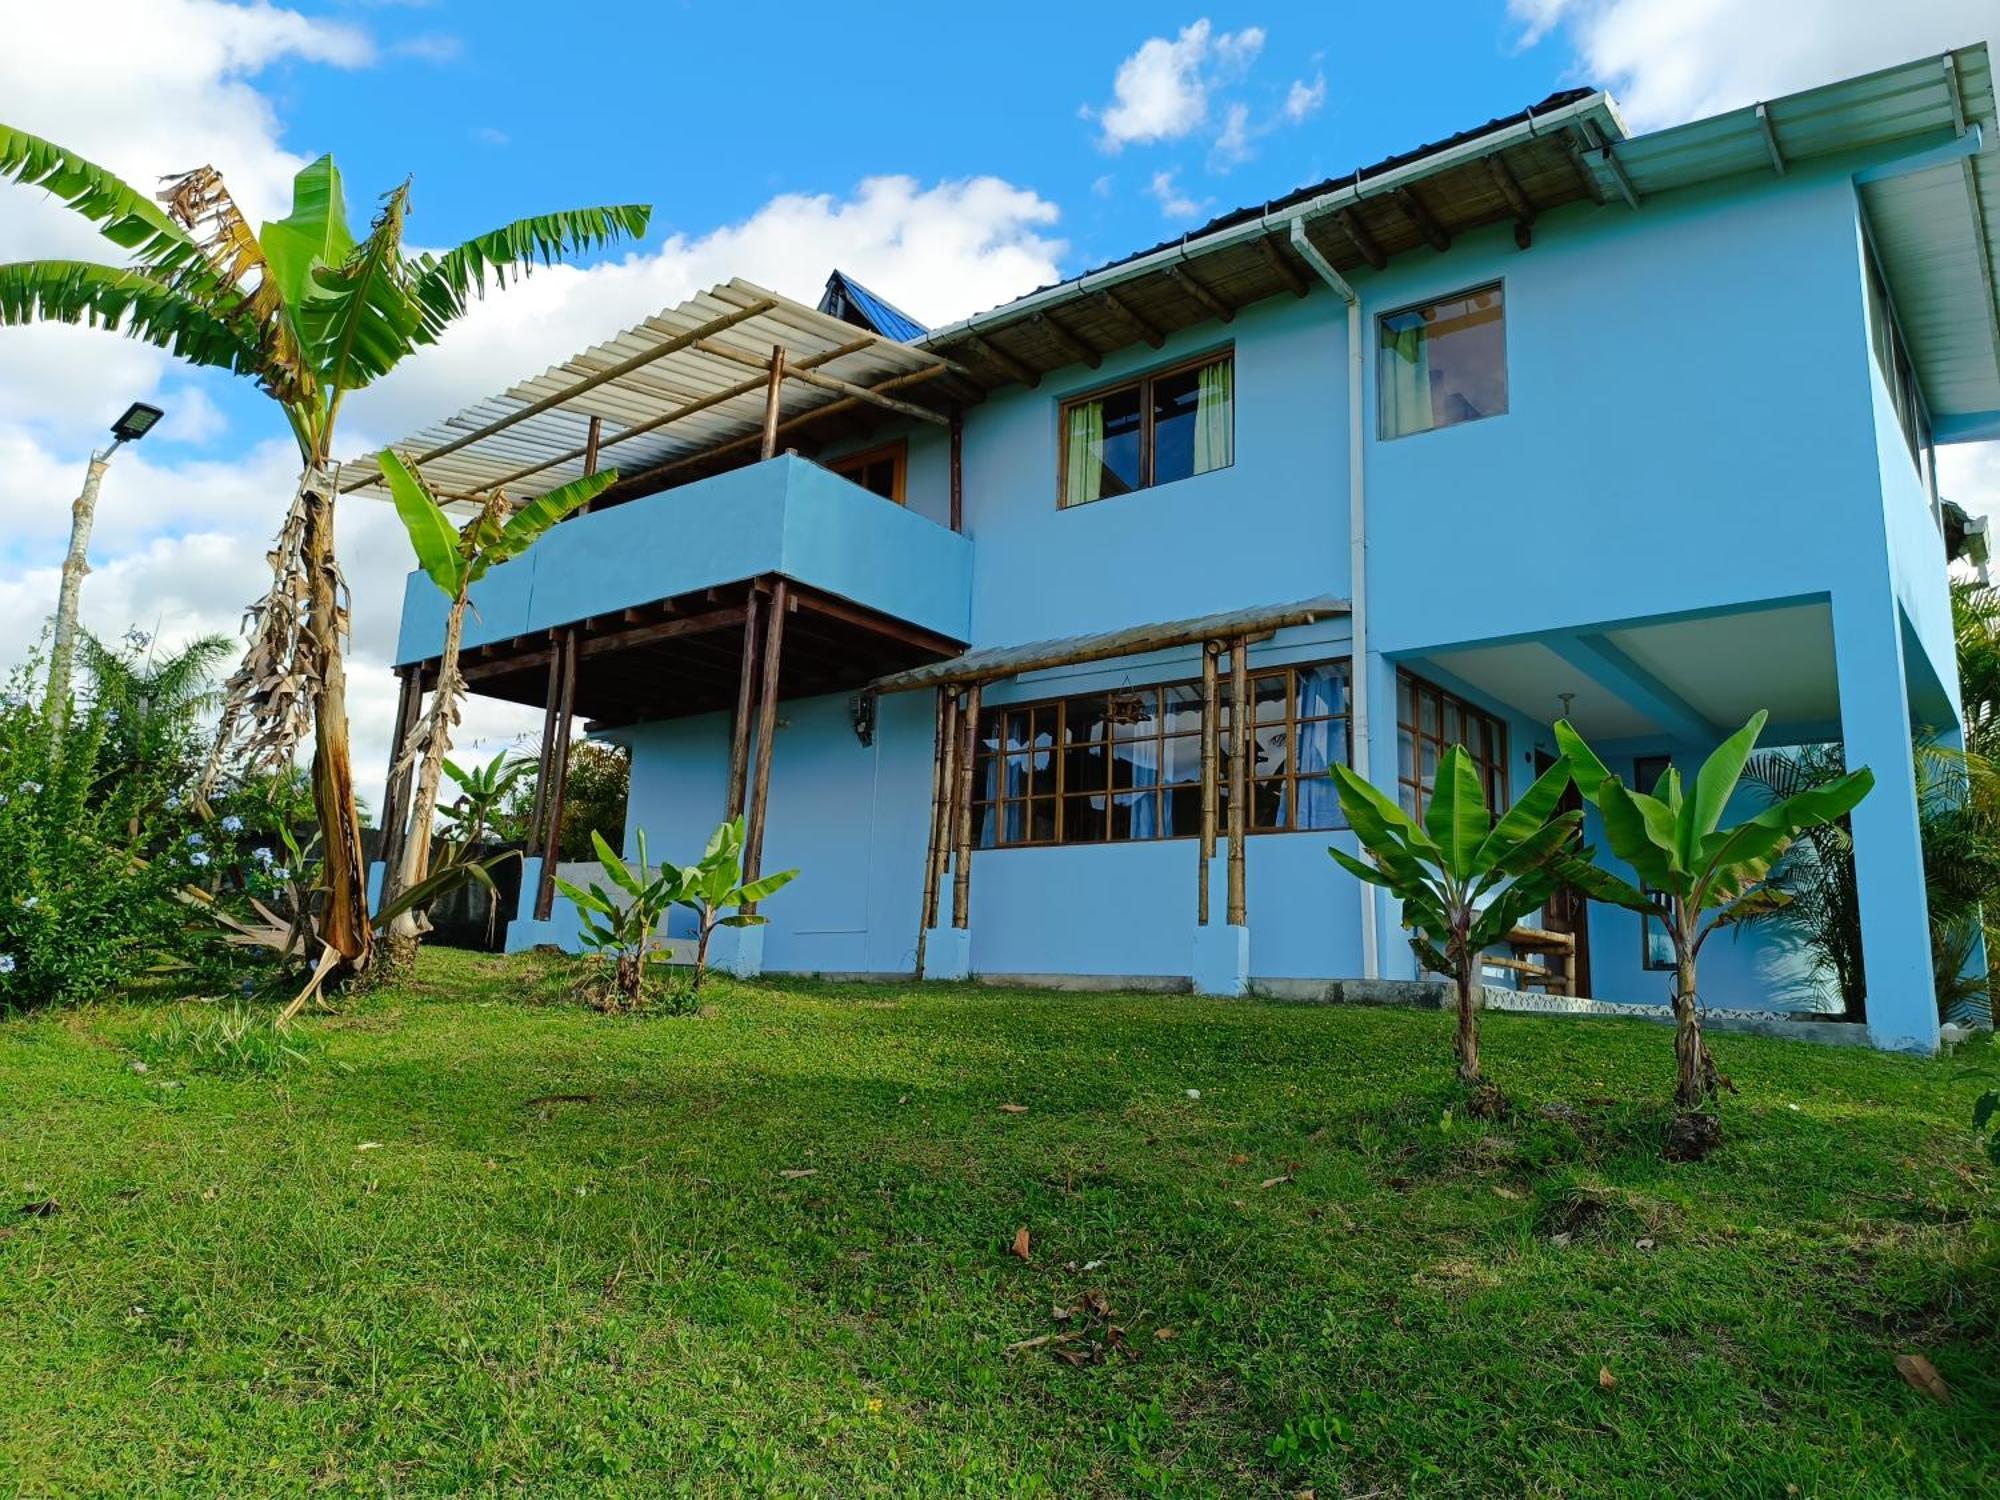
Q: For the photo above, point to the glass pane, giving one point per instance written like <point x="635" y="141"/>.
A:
<point x="1182" y="761"/>
<point x="1084" y="819"/>
<point x="1427" y="764"/>
<point x="1443" y="364"/>
<point x="1016" y="783"/>
<point x="1322" y="690"/>
<point x="1454" y="728"/>
<point x="1019" y="721"/>
<point x="1273" y="747"/>
<point x="1407" y="796"/>
<point x="1406" y="765"/>
<point x="1427" y="713"/>
<point x="1182" y="806"/>
<point x="1120" y="466"/>
<point x="1175" y="399"/>
<point x="1135" y="763"/>
<point x="1135" y="815"/>
<point x="987" y="823"/>
<point x="1083" y="770"/>
<point x="1267" y="804"/>
<point x="1013" y="822"/>
<point x="1267" y="697"/>
<point x="1041" y="772"/>
<point x="1403" y="703"/>
<point x="1184" y="708"/>
<point x="1042" y="821"/>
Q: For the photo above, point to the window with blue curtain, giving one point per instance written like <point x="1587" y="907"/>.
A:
<point x="1125" y="766"/>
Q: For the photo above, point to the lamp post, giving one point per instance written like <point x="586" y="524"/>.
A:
<point x="139" y="419"/>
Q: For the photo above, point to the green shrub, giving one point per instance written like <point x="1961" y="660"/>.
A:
<point x="234" y="1041"/>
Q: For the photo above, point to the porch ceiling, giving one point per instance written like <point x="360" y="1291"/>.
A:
<point x="1688" y="679"/>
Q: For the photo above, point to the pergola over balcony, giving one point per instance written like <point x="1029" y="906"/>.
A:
<point x="757" y="575"/>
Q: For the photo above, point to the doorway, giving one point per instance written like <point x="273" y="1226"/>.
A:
<point x="1568" y="911"/>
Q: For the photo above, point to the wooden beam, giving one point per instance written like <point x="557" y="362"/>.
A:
<point x="773" y="393"/>
<point x="663" y="630"/>
<point x="993" y="354"/>
<point x="1351" y="226"/>
<point x="1070" y="343"/>
<point x="767" y="729"/>
<point x="1419" y="214"/>
<point x="887" y="626"/>
<point x="1517" y="199"/>
<point x="831" y="383"/>
<point x="1213" y="305"/>
<point x="1210" y="729"/>
<point x="555" y="760"/>
<point x="1123" y="312"/>
<point x="957" y="469"/>
<point x="1281" y="265"/>
<point x="661" y="350"/>
<point x="1573" y="148"/>
<point x="968" y="746"/>
<point x="1239" y="778"/>
<point x="739" y="730"/>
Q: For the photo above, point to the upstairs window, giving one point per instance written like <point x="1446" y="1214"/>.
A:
<point x="1428" y="719"/>
<point x="878" y="469"/>
<point x="1442" y="363"/>
<point x="1893" y="358"/>
<point x="1165" y="426"/>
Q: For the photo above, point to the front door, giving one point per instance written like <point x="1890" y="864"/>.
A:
<point x="1567" y="910"/>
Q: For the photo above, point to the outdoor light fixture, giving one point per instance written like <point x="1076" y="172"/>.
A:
<point x="861" y="710"/>
<point x="139" y="419"/>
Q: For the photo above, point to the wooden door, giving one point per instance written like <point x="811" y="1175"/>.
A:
<point x="1567" y="911"/>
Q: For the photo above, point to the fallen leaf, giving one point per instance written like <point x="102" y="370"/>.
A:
<point x="793" y="1174"/>
<point x="1013" y="1109"/>
<point x="1060" y="1313"/>
<point x="1164" y="1335"/>
<point x="369" y="1146"/>
<point x="1922" y="1374"/>
<point x="1239" y="1160"/>
<point x="41" y="1208"/>
<point x="902" y="1098"/>
<point x="1097" y="1304"/>
<point x="1271" y="1182"/>
<point x="137" y="1067"/>
<point x="1020" y="1245"/>
<point x="1645" y="1243"/>
<point x="1506" y="1192"/>
<point x="1560" y="1241"/>
<point x="1046" y="1338"/>
<point x="1606" y="1379"/>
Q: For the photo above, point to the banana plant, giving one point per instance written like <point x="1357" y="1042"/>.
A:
<point x="715" y="885"/>
<point x="1464" y="880"/>
<point x="1696" y="877"/>
<point x="310" y="313"/>
<point x="455" y="559"/>
<point x="624" y="928"/>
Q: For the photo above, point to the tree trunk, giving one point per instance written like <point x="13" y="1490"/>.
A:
<point x="1694" y="1071"/>
<point x="1468" y="1021"/>
<point x="76" y="564"/>
<point x="343" y="923"/>
<point x="416" y="860"/>
<point x="701" y="954"/>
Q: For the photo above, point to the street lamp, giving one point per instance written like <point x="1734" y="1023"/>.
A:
<point x="138" y="420"/>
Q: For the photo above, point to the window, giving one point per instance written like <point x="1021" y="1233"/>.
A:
<point x="1170" y="425"/>
<point x="1443" y="363"/>
<point x="1897" y="371"/>
<point x="1656" y="948"/>
<point x="1126" y="765"/>
<point x="1427" y="720"/>
<point x="878" y="469"/>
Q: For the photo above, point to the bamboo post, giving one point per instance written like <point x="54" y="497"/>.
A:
<point x="944" y="729"/>
<point x="767" y="729"/>
<point x="1239" y="775"/>
<point x="591" y="438"/>
<point x="556" y="769"/>
<point x="968" y="741"/>
<point x="739" y="731"/>
<point x="769" y="448"/>
<point x="1210" y="730"/>
<point x="396" y="786"/>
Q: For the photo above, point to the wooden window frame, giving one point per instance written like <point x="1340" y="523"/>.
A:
<point x="898" y="451"/>
<point x="1143" y="383"/>
<point x="1498" y="284"/>
<point x="1496" y="767"/>
<point x="1061" y="795"/>
<point x="1646" y="770"/>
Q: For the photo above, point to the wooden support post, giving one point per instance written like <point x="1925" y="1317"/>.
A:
<point x="590" y="441"/>
<point x="767" y="730"/>
<point x="555" y="772"/>
<point x="1210" y="730"/>
<point x="396" y="787"/>
<point x="944" y="731"/>
<point x="957" y="468"/>
<point x="739" y="730"/>
<point x="1239" y="775"/>
<point x="772" y="397"/>
<point x="968" y="743"/>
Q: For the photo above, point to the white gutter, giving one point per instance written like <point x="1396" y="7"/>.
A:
<point x="1596" y="108"/>
<point x="1357" y="548"/>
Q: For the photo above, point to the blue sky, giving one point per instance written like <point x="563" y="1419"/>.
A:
<point x="950" y="156"/>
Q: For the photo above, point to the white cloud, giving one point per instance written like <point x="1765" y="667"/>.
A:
<point x="1674" y="60"/>
<point x="1160" y="92"/>
<point x="1233" y="145"/>
<point x="1303" y="100"/>
<point x="1174" y="202"/>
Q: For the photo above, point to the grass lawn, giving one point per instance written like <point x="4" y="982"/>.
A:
<point x="484" y="1240"/>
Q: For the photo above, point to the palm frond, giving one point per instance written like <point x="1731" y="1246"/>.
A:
<point x="122" y="214"/>
<point x="133" y="302"/>
<point x="445" y="283"/>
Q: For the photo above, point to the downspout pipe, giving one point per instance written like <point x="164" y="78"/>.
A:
<point x="1357" y="547"/>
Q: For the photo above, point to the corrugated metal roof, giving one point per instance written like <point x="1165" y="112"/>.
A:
<point x="849" y="300"/>
<point x="993" y="662"/>
<point x="670" y="364"/>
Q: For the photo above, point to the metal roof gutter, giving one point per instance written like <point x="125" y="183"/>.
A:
<point x="1596" y="109"/>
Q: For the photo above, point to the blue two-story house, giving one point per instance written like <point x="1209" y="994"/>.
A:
<point x="1028" y="640"/>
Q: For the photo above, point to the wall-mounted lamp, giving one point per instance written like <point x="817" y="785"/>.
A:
<point x="861" y="710"/>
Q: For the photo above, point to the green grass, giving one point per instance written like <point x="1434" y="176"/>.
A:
<point x="475" y="1239"/>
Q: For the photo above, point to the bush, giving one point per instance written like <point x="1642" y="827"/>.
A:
<point x="87" y="880"/>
